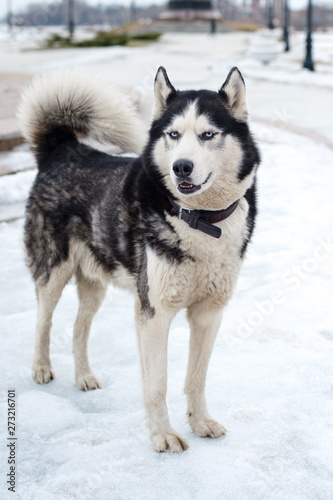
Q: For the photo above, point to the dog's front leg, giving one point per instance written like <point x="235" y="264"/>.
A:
<point x="153" y="330"/>
<point x="204" y="322"/>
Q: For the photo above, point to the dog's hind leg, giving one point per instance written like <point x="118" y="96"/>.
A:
<point x="153" y="338"/>
<point x="48" y="295"/>
<point x="91" y="295"/>
<point x="204" y="322"/>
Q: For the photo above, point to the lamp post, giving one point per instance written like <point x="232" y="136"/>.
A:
<point x="71" y="17"/>
<point x="132" y="12"/>
<point x="308" y="62"/>
<point x="9" y="14"/>
<point x="270" y="14"/>
<point x="286" y="26"/>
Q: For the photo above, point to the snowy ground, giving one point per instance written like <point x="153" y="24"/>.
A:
<point x="270" y="380"/>
<point x="286" y="67"/>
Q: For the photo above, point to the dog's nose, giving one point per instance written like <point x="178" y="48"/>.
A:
<point x="182" y="168"/>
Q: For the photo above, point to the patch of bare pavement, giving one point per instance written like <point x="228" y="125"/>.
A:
<point x="11" y="86"/>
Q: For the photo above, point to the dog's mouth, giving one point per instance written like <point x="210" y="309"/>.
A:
<point x="187" y="188"/>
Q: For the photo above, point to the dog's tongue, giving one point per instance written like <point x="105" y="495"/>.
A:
<point x="186" y="185"/>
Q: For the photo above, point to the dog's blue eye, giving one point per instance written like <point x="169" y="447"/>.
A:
<point x="207" y="135"/>
<point x="174" y="134"/>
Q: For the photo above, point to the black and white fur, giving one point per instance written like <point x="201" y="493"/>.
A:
<point x="109" y="219"/>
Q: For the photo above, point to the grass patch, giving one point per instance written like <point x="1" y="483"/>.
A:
<point x="57" y="41"/>
<point x="243" y="26"/>
<point x="149" y="36"/>
<point x="104" y="39"/>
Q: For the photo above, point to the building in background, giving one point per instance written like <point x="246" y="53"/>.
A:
<point x="189" y="11"/>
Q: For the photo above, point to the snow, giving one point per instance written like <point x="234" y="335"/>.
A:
<point x="266" y="46"/>
<point x="14" y="189"/>
<point x="251" y="49"/>
<point x="269" y="381"/>
<point x="276" y="91"/>
<point x="270" y="377"/>
<point x="17" y="159"/>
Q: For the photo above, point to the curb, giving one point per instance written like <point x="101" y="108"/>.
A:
<point x="10" y="141"/>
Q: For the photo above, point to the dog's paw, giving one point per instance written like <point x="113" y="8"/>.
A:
<point x="42" y="374"/>
<point x="87" y="382"/>
<point x="170" y="441"/>
<point x="207" y="427"/>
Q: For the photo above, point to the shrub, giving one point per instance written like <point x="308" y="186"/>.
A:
<point x="149" y="36"/>
<point x="101" y="39"/>
<point x="56" y="40"/>
<point x="104" y="39"/>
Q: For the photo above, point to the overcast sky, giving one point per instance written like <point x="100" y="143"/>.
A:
<point x="19" y="4"/>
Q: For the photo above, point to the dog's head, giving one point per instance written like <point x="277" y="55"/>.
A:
<point x="200" y="142"/>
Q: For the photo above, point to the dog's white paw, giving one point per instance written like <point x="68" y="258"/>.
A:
<point x="42" y="374"/>
<point x="87" y="382"/>
<point x="169" y="441"/>
<point x="207" y="427"/>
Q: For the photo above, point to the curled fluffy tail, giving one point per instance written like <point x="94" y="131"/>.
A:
<point x="61" y="106"/>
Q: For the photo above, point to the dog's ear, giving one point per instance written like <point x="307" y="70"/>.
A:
<point x="162" y="89"/>
<point x="234" y="95"/>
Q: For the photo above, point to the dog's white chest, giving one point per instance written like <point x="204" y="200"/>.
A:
<point x="211" y="272"/>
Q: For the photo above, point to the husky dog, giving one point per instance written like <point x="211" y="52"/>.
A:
<point x="171" y="225"/>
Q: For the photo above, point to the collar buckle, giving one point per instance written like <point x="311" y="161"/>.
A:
<point x="182" y="209"/>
